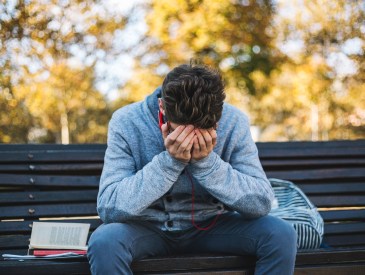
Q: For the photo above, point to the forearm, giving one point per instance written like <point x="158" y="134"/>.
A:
<point x="248" y="192"/>
<point x="123" y="196"/>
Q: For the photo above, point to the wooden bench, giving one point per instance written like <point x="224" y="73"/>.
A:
<point x="57" y="181"/>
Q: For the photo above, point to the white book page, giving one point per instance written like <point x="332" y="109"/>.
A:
<point x="54" y="235"/>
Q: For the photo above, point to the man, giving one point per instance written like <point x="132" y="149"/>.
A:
<point x="193" y="185"/>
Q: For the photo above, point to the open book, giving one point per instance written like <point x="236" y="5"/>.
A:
<point x="54" y="235"/>
<point x="53" y="240"/>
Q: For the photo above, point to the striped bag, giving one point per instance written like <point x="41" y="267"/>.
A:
<point x="292" y="205"/>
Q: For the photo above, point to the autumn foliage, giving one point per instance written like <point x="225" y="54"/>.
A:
<point x="296" y="67"/>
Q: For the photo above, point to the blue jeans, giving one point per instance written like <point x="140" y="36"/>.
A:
<point x="113" y="247"/>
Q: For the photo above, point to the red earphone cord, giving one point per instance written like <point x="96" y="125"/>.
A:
<point x="192" y="207"/>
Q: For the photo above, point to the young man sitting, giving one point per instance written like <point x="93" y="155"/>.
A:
<point x="182" y="175"/>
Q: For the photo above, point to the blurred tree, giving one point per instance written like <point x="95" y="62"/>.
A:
<point x="15" y="120"/>
<point x="317" y="94"/>
<point x="312" y="92"/>
<point x="36" y="36"/>
<point x="14" y="116"/>
<point x="235" y="36"/>
<point x="65" y="104"/>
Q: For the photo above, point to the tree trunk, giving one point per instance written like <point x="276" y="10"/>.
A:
<point x="314" y="121"/>
<point x="65" y="134"/>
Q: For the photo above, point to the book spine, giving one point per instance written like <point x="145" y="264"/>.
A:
<point x="54" y="252"/>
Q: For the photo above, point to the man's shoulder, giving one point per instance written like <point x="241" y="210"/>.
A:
<point x="127" y="113"/>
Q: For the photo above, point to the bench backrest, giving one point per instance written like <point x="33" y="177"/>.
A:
<point x="61" y="182"/>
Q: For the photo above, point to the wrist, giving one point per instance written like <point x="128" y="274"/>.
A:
<point x="203" y="161"/>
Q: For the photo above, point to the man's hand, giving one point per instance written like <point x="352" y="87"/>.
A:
<point x="204" y="143"/>
<point x="180" y="142"/>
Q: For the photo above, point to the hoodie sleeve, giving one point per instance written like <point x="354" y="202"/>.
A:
<point x="124" y="192"/>
<point x="241" y="183"/>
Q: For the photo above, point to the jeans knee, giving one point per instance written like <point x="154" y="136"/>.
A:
<point x="284" y="237"/>
<point x="105" y="238"/>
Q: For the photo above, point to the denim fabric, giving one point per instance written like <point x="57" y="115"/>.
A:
<point x="112" y="247"/>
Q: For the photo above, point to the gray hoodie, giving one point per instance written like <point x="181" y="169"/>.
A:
<point x="141" y="181"/>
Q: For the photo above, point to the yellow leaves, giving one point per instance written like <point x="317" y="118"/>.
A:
<point x="67" y="93"/>
<point x="260" y="79"/>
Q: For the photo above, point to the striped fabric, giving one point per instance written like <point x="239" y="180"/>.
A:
<point x="293" y="206"/>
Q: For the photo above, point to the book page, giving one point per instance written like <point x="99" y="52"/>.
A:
<point x="54" y="235"/>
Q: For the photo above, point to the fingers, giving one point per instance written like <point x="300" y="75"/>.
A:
<point x="171" y="138"/>
<point x="165" y="130"/>
<point x="191" y="144"/>
<point x="187" y="142"/>
<point x="208" y="140"/>
<point x="201" y="140"/>
<point x="196" y="147"/>
<point x="180" y="141"/>
<point x="181" y="138"/>
<point x="213" y="134"/>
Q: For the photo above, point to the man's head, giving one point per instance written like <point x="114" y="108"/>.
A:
<point x="193" y="94"/>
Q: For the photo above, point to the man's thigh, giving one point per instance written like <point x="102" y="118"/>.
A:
<point x="139" y="239"/>
<point x="237" y="235"/>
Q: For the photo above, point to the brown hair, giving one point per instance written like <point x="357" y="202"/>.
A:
<point x="193" y="94"/>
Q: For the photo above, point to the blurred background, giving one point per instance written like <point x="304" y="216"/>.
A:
<point x="296" y="67"/>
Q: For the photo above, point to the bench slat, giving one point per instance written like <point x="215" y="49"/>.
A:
<point x="343" y="215"/>
<point x="31" y="197"/>
<point x="55" y="147"/>
<point x="332" y="188"/>
<point x="174" y="263"/>
<point x="53" y="156"/>
<point x="269" y="165"/>
<point x="25" y="227"/>
<point x="14" y="241"/>
<point x="46" y="180"/>
<point x="312" y="162"/>
<point x="322" y="174"/>
<point x="40" y="167"/>
<point x="311" y="144"/>
<point x="357" y="239"/>
<point x="50" y="210"/>
<point x="344" y="228"/>
<point x="311" y="152"/>
<point x="338" y="200"/>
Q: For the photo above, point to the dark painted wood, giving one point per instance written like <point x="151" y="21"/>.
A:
<point x="344" y="228"/>
<point x="35" y="197"/>
<point x="59" y="167"/>
<point x="306" y="261"/>
<point x="25" y="227"/>
<point x="301" y="175"/>
<point x="311" y="152"/>
<point x="52" y="156"/>
<point x="65" y="181"/>
<point x="333" y="188"/>
<point x="65" y="267"/>
<point x="14" y="241"/>
<point x="310" y="144"/>
<point x="312" y="162"/>
<point x="46" y="180"/>
<point x="48" y="210"/>
<point x="338" y="200"/>
<point x="343" y="215"/>
<point x="356" y="239"/>
<point x="53" y="147"/>
<point x="347" y="269"/>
